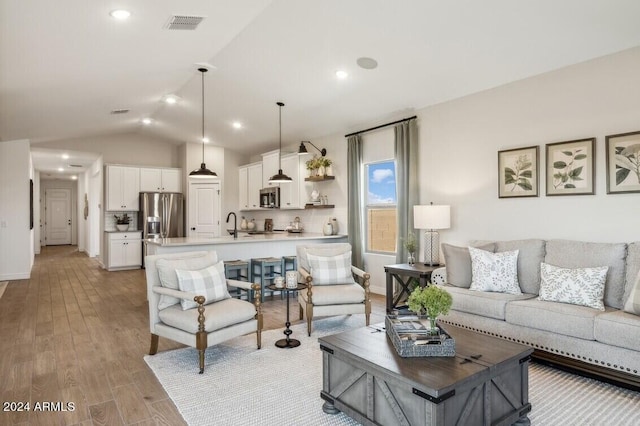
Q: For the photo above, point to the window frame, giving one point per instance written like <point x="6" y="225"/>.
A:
<point x="378" y="206"/>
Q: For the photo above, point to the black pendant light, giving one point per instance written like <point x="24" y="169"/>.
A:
<point x="280" y="177"/>
<point x="202" y="172"/>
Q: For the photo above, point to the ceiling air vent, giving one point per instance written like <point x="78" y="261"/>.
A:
<point x="184" y="22"/>
<point x="120" y="111"/>
<point x="75" y="165"/>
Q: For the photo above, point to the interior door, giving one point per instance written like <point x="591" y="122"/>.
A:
<point x="58" y="216"/>
<point x="204" y="209"/>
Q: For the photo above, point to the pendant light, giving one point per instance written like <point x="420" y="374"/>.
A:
<point x="280" y="177"/>
<point x="202" y="172"/>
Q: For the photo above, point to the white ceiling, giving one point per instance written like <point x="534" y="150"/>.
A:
<point x="65" y="65"/>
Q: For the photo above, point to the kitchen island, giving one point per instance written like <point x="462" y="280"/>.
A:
<point x="246" y="246"/>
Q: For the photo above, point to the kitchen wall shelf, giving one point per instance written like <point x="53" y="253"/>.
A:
<point x="318" y="178"/>
<point x="319" y="206"/>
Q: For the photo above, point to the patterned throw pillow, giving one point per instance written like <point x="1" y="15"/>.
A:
<point x="580" y="286"/>
<point x="327" y="270"/>
<point x="496" y="272"/>
<point x="632" y="305"/>
<point x="209" y="282"/>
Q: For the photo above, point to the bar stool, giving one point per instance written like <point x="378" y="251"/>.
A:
<point x="236" y="270"/>
<point x="265" y="269"/>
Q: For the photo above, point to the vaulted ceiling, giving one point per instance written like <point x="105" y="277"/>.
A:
<point x="64" y="66"/>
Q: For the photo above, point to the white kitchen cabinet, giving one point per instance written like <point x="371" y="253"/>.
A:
<point x="204" y="208"/>
<point x="153" y="179"/>
<point x="124" y="250"/>
<point x="269" y="167"/>
<point x="123" y="187"/>
<point x="290" y="193"/>
<point x="252" y="187"/>
<point x="243" y="186"/>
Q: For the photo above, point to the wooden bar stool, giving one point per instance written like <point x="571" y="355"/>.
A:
<point x="264" y="270"/>
<point x="236" y="270"/>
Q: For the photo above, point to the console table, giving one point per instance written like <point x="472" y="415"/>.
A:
<point x="403" y="273"/>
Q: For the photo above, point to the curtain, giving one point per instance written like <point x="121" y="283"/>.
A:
<point x="406" y="153"/>
<point x="354" y="188"/>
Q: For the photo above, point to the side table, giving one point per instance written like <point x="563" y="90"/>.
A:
<point x="287" y="342"/>
<point x="403" y="272"/>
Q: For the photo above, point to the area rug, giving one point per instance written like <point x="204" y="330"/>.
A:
<point x="3" y="287"/>
<point x="245" y="386"/>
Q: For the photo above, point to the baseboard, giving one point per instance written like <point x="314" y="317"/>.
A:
<point x="13" y="277"/>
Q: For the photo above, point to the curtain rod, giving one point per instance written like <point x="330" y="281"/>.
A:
<point x="380" y="126"/>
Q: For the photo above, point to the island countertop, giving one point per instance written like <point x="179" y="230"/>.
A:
<point x="244" y="247"/>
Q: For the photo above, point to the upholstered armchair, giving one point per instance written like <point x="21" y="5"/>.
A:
<point x="334" y="285"/>
<point x="190" y="304"/>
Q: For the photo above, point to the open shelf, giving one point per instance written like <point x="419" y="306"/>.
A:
<point x="318" y="178"/>
<point x="319" y="206"/>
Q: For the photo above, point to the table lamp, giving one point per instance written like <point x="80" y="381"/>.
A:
<point x="431" y="218"/>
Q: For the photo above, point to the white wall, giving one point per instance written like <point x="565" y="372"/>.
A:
<point x="16" y="239"/>
<point x="459" y="141"/>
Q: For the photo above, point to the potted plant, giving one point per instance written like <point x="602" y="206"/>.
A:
<point x="326" y="163"/>
<point x="411" y="245"/>
<point x="430" y="301"/>
<point x="312" y="165"/>
<point x="122" y="222"/>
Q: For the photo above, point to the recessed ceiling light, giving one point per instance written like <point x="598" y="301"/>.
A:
<point x="120" y="14"/>
<point x="171" y="99"/>
<point x="367" y="63"/>
<point x="205" y="140"/>
<point x="65" y="156"/>
<point x="237" y="125"/>
<point x="60" y="169"/>
<point x="341" y="74"/>
<point x="74" y="177"/>
<point x="146" y="121"/>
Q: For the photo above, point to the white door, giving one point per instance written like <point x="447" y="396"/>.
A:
<point x="58" y="216"/>
<point x="204" y="209"/>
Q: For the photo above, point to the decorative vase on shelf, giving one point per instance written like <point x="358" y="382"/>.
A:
<point x="411" y="259"/>
<point x="334" y="225"/>
<point x="321" y="171"/>
<point x="327" y="229"/>
<point x="251" y="225"/>
<point x="244" y="225"/>
<point x="328" y="170"/>
<point x="122" y="226"/>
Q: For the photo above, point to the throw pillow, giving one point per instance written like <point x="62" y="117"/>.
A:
<point x="458" y="263"/>
<point x="496" y="272"/>
<point x="328" y="270"/>
<point x="580" y="286"/>
<point x="209" y="282"/>
<point x="167" y="273"/>
<point x="632" y="305"/>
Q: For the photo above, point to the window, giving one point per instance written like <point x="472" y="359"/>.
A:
<point x="381" y="207"/>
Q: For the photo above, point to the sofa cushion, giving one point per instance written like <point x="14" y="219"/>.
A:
<point x="578" y="286"/>
<point x="632" y="268"/>
<point x="576" y="254"/>
<point x="217" y="315"/>
<point x="486" y="304"/>
<point x="208" y="282"/>
<point x="496" y="272"/>
<point x="458" y="263"/>
<point x="632" y="305"/>
<point x="335" y="294"/>
<point x="169" y="279"/>
<point x="618" y="328"/>
<point x="530" y="254"/>
<point x="331" y="270"/>
<point x="569" y="320"/>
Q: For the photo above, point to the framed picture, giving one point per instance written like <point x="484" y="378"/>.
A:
<point x="518" y="172"/>
<point x="623" y="163"/>
<point x="571" y="167"/>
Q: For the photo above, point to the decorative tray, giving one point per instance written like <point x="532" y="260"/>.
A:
<point x="411" y="338"/>
<point x="295" y="231"/>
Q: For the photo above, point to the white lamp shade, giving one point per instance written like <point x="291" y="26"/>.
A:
<point x="431" y="217"/>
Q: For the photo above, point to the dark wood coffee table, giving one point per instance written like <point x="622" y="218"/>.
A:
<point x="486" y="383"/>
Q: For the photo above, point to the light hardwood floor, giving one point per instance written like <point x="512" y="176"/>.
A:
<point x="75" y="333"/>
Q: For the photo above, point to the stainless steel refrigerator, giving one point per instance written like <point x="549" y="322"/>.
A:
<point x="161" y="216"/>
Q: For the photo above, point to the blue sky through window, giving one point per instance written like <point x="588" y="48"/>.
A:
<point x="381" y="180"/>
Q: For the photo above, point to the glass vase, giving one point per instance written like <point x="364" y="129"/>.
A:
<point x="411" y="259"/>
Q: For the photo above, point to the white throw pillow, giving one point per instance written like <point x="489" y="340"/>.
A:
<point x="328" y="270"/>
<point x="580" y="286"/>
<point x="632" y="305"/>
<point x="167" y="273"/>
<point x="209" y="282"/>
<point x="496" y="272"/>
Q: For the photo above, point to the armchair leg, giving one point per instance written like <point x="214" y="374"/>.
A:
<point x="301" y="311"/>
<point x="309" y="317"/>
<point x="201" y="360"/>
<point x="154" y="344"/>
<point x="259" y="337"/>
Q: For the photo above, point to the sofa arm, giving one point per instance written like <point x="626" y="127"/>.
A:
<point x="174" y="293"/>
<point x="439" y="276"/>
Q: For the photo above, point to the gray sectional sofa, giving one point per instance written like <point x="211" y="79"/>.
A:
<point x="602" y="343"/>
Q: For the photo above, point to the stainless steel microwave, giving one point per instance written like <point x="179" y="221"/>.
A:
<point x="270" y="198"/>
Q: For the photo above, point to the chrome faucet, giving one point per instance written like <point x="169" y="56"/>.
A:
<point x="235" y="224"/>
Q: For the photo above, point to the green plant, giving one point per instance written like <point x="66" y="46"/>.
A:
<point x="324" y="161"/>
<point x="410" y="243"/>
<point x="431" y="301"/>
<point x="122" y="220"/>
<point x="567" y="173"/>
<point x="627" y="161"/>
<point x="313" y="163"/>
<point x="520" y="174"/>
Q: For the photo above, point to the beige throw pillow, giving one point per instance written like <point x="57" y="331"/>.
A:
<point x="458" y="263"/>
<point x="632" y="305"/>
<point x="208" y="282"/>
